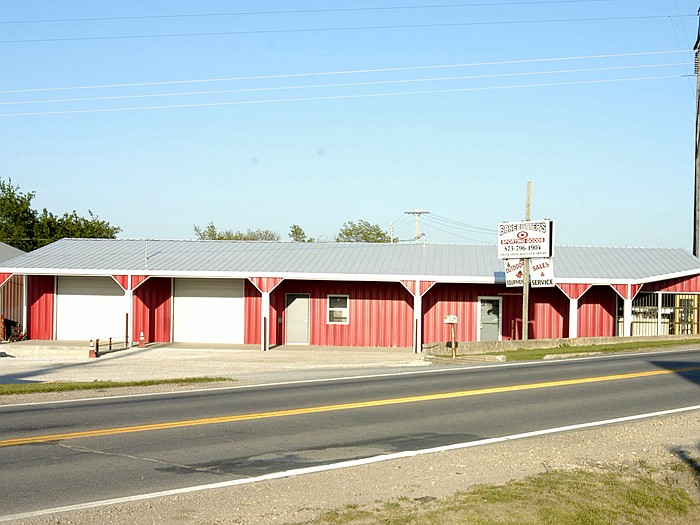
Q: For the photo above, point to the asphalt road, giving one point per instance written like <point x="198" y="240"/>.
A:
<point x="58" y="454"/>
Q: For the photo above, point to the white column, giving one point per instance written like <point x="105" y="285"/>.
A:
<point x="573" y="318"/>
<point x="25" y="303"/>
<point x="265" y="322"/>
<point x="417" y="320"/>
<point x="627" y="317"/>
<point x="130" y="312"/>
<point x="659" y="302"/>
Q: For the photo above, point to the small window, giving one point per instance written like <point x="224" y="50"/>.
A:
<point x="338" y="309"/>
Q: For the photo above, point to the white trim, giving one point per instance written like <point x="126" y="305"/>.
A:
<point x="478" y="315"/>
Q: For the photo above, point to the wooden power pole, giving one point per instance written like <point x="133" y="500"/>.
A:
<point x="696" y="206"/>
<point x="526" y="271"/>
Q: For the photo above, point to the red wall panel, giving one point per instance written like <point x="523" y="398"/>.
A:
<point x="152" y="307"/>
<point x="597" y="312"/>
<point x="682" y="285"/>
<point x="253" y="300"/>
<point x="41" y="293"/>
<point x="548" y="312"/>
<point x="381" y="314"/>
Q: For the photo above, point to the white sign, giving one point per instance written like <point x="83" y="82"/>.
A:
<point x="541" y="273"/>
<point x="451" y="319"/>
<point x="514" y="272"/>
<point x="525" y="239"/>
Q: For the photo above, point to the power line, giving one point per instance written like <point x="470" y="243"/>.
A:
<point x="300" y="11"/>
<point x="337" y="85"/>
<point x="341" y="97"/>
<point x="460" y="225"/>
<point x="330" y="29"/>
<point x="347" y="72"/>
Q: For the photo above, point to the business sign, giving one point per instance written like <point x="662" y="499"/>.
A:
<point x="525" y="239"/>
<point x="541" y="273"/>
<point x="515" y="271"/>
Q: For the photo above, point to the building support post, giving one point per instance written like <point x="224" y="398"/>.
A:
<point x="265" y="322"/>
<point x="573" y="318"/>
<point x="627" y="318"/>
<point x="659" y="317"/>
<point x="417" y="320"/>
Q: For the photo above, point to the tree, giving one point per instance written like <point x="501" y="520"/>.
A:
<point x="296" y="234"/>
<point x="363" y="231"/>
<point x="210" y="233"/>
<point x="26" y="229"/>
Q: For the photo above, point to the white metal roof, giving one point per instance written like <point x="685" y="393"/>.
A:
<point x="373" y="262"/>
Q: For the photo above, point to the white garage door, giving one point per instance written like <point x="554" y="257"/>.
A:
<point x="208" y="311"/>
<point x="89" y="308"/>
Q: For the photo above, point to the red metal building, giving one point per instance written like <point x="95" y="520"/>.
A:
<point x="337" y="294"/>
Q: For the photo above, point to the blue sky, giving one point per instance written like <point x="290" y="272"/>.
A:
<point x="607" y="140"/>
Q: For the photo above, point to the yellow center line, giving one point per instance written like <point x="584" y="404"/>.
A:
<point x="334" y="408"/>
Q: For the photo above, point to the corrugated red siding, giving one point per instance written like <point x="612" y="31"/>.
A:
<point x="152" y="307"/>
<point x="574" y="291"/>
<point x="597" y="312"/>
<point x="251" y="329"/>
<point x="41" y="300"/>
<point x="548" y="312"/>
<point x="381" y="314"/>
<point x="682" y="285"/>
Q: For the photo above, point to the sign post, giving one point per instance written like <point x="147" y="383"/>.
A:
<point x="527" y="246"/>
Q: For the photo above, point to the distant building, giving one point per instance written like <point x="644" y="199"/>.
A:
<point x="343" y="294"/>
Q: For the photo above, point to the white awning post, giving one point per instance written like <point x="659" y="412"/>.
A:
<point x="417" y="320"/>
<point x="573" y="318"/>
<point x="265" y="322"/>
<point x="627" y="317"/>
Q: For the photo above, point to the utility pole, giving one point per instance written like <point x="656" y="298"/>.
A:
<point x="696" y="206"/>
<point x="526" y="271"/>
<point x="417" y="215"/>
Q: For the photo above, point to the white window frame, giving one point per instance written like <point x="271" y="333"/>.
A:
<point x="345" y="310"/>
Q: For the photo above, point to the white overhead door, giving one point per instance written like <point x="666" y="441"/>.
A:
<point x="208" y="311"/>
<point x="89" y="308"/>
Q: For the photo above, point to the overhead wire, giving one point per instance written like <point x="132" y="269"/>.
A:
<point x="346" y="28"/>
<point x="341" y="97"/>
<point x="344" y="84"/>
<point x="350" y="71"/>
<point x="301" y="11"/>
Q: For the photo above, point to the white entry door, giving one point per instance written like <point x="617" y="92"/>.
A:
<point x="489" y="319"/>
<point x="297" y="319"/>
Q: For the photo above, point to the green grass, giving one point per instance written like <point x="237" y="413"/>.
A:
<point x="65" y="386"/>
<point x="555" y="498"/>
<point x="531" y="354"/>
